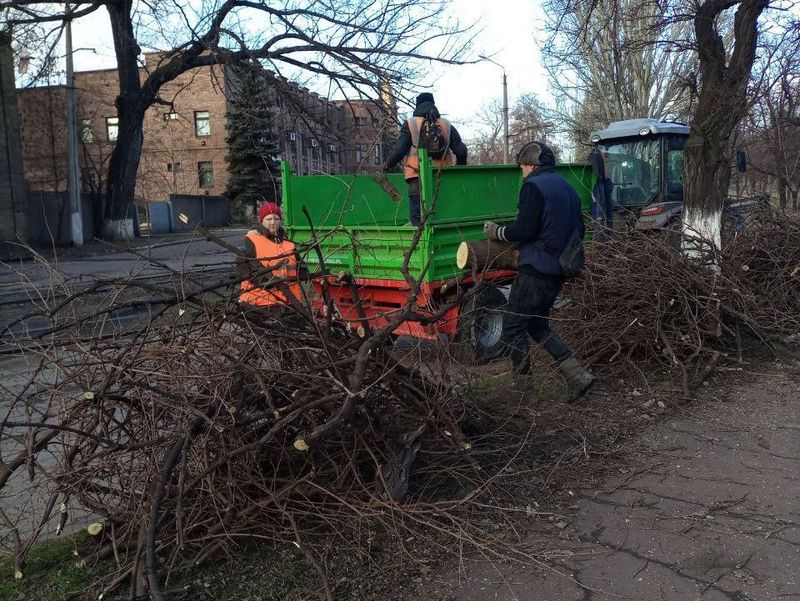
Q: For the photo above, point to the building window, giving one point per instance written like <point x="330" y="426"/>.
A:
<point x="171" y="116"/>
<point x="205" y="174"/>
<point x="174" y="167"/>
<point x="359" y="153"/>
<point x="112" y="128"/>
<point x="202" y="124"/>
<point x="292" y="136"/>
<point x="376" y="157"/>
<point x="86" y="130"/>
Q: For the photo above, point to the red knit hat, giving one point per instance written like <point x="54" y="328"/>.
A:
<point x="269" y="208"/>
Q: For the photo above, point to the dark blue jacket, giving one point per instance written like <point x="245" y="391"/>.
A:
<point x="549" y="211"/>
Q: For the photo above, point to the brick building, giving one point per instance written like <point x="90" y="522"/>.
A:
<point x="13" y="220"/>
<point x="184" y="145"/>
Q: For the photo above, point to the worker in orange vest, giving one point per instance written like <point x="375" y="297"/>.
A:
<point x="268" y="244"/>
<point x="429" y="130"/>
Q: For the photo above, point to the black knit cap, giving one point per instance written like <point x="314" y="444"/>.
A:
<point x="425" y="97"/>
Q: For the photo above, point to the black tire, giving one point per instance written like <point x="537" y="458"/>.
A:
<point x="480" y="323"/>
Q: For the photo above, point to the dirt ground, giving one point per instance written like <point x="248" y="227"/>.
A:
<point x="707" y="508"/>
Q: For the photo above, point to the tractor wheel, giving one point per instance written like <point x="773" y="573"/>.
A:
<point x="480" y="323"/>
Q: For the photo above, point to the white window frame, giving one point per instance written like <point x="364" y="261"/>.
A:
<point x="200" y="119"/>
<point x="112" y="129"/>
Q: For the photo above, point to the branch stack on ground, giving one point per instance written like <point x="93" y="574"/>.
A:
<point x="642" y="305"/>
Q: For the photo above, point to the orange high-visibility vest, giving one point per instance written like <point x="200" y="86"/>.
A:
<point x="269" y="254"/>
<point x="411" y="168"/>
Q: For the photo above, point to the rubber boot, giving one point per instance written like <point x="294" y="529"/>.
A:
<point x="578" y="379"/>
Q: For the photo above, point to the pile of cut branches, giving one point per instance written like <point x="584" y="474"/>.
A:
<point x="204" y="422"/>
<point x="642" y="305"/>
<point x="201" y="423"/>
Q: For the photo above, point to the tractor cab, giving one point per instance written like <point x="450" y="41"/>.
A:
<point x="643" y="158"/>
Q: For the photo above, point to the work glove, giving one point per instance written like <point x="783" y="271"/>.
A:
<point x="490" y="230"/>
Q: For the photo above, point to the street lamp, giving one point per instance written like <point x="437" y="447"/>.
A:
<point x="505" y="107"/>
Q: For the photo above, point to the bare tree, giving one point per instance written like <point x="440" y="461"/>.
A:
<point x="527" y="121"/>
<point x="486" y="147"/>
<point x="721" y="105"/>
<point x="355" y="43"/>
<point x="617" y="59"/>
<point x="773" y="126"/>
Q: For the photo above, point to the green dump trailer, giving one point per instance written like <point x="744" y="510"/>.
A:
<point x="362" y="235"/>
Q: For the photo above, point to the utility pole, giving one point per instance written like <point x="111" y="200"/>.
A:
<point x="505" y="107"/>
<point x="73" y="171"/>
<point x="505" y="118"/>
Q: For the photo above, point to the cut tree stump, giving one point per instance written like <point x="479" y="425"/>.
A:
<point x="482" y="254"/>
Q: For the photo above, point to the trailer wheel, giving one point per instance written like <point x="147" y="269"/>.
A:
<point x="481" y="323"/>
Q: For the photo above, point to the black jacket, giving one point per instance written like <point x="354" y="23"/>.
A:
<point x="403" y="144"/>
<point x="549" y="212"/>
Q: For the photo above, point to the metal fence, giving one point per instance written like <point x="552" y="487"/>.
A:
<point x="208" y="211"/>
<point x="49" y="220"/>
<point x="49" y="216"/>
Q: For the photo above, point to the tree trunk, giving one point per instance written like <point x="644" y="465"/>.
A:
<point x="783" y="199"/>
<point x="122" y="169"/>
<point x="705" y="182"/>
<point x="721" y="105"/>
<point x="486" y="254"/>
<point x="131" y="106"/>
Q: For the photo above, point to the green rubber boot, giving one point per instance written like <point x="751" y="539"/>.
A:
<point x="578" y="379"/>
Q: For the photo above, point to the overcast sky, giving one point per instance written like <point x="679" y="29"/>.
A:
<point x="510" y="37"/>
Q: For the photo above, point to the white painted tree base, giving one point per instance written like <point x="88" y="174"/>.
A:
<point x="702" y="234"/>
<point x="118" y="229"/>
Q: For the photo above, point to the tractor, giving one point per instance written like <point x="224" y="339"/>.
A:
<point x="643" y="158"/>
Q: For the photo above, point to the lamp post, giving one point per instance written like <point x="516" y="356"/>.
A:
<point x="505" y="107"/>
<point x="73" y="171"/>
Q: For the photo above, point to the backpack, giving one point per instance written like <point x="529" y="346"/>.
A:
<point x="572" y="257"/>
<point x="432" y="139"/>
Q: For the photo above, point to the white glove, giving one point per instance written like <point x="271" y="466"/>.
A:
<point x="490" y="230"/>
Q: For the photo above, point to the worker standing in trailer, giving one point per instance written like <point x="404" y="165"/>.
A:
<point x="429" y="130"/>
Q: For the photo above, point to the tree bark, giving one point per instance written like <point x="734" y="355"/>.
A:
<point x="486" y="254"/>
<point x="782" y="193"/>
<point x="721" y="105"/>
<point x="131" y="106"/>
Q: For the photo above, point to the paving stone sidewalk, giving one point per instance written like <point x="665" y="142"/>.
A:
<point x="709" y="510"/>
